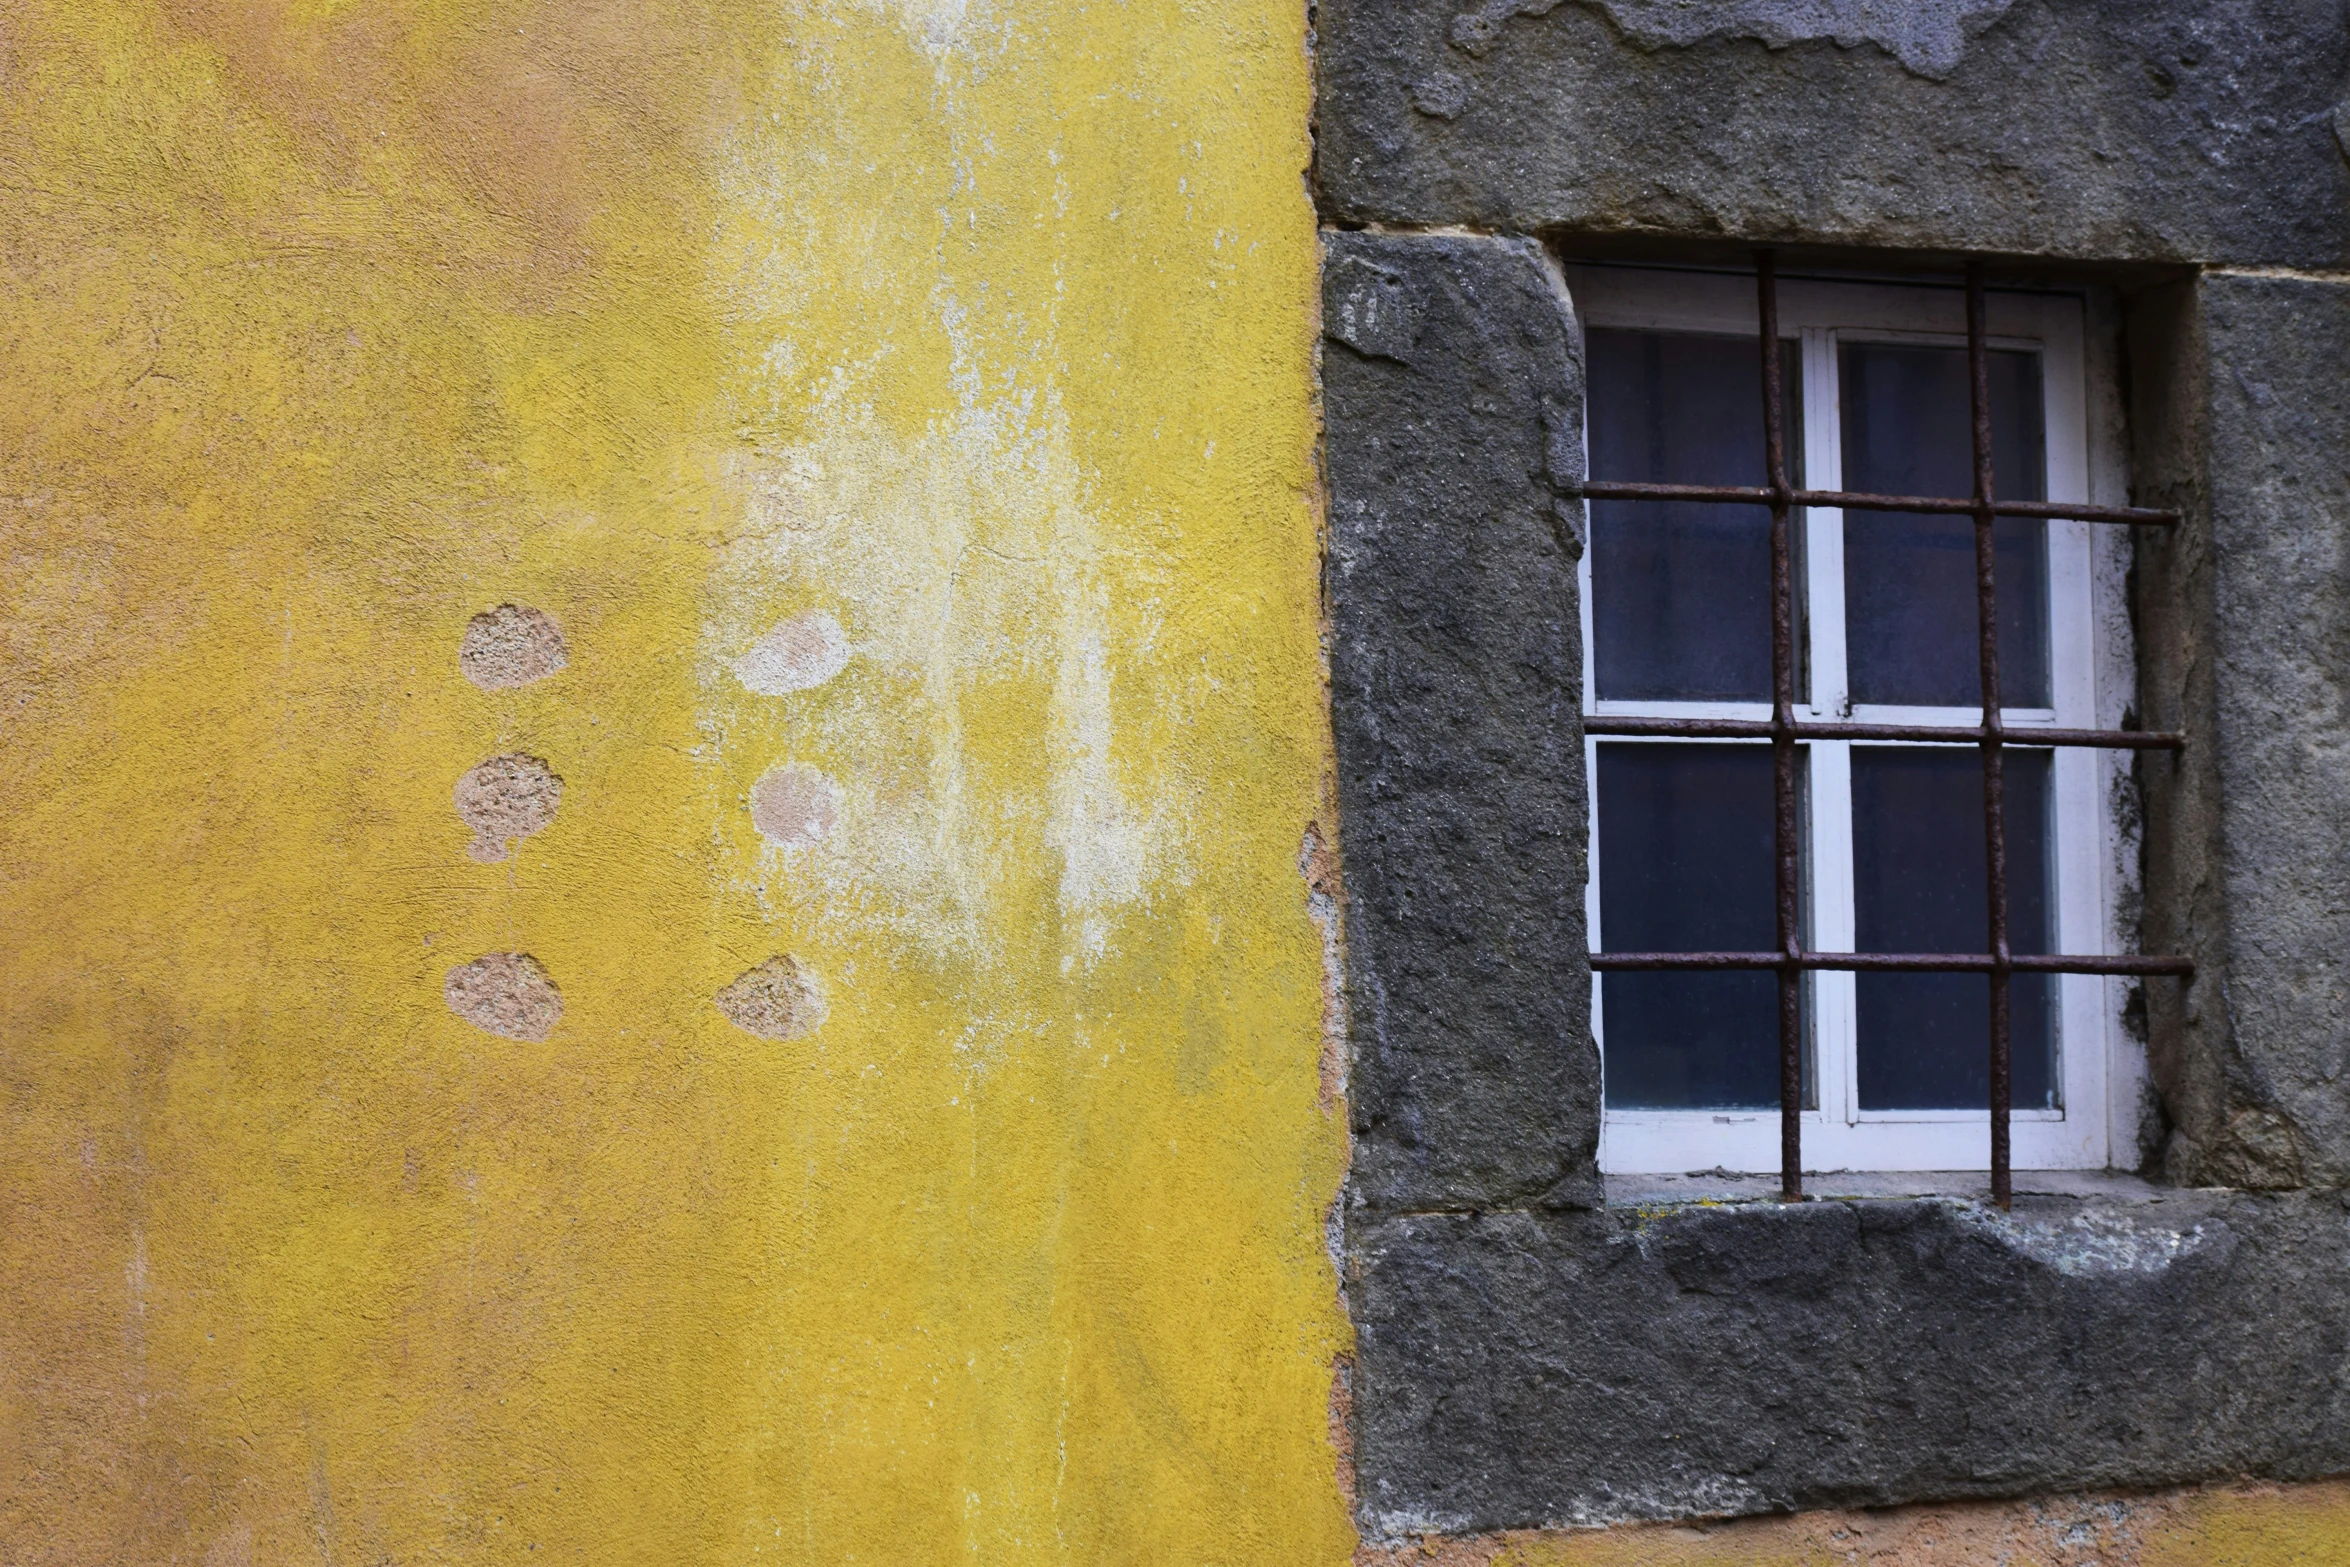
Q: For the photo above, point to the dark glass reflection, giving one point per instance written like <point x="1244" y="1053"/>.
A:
<point x="1681" y="591"/>
<point x="1909" y="580"/>
<point x="1685" y="866"/>
<point x="1919" y="878"/>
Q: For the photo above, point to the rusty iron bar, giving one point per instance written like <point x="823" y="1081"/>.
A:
<point x="1848" y="500"/>
<point x="1978" y="357"/>
<point x="1899" y="962"/>
<point x="1944" y="734"/>
<point x="1785" y="827"/>
<point x="1785" y="733"/>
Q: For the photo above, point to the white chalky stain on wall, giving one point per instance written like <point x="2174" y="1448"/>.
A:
<point x="937" y="26"/>
<point x="1101" y="836"/>
<point x="959" y="556"/>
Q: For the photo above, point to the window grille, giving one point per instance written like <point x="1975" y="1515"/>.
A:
<point x="1792" y="960"/>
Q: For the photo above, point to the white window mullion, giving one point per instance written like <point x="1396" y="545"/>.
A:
<point x="1823" y="538"/>
<point x="2082" y="1017"/>
<point x="1583" y="606"/>
<point x="1597" y="941"/>
<point x="1834" y="996"/>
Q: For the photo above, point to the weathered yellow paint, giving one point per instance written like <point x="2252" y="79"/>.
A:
<point x="986" y="328"/>
<point x="2268" y="1526"/>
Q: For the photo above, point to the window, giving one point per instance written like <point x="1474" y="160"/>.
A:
<point x="1677" y="606"/>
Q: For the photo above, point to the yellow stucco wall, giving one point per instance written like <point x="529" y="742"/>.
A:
<point x="984" y="329"/>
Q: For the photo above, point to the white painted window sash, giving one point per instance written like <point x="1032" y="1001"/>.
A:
<point x="1838" y="1134"/>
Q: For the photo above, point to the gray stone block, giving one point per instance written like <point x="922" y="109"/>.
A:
<point x="2074" y="128"/>
<point x="2243" y="422"/>
<point x="1453" y="393"/>
<point x="1516" y="1369"/>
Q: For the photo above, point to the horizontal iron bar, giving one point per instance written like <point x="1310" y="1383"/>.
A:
<point x="1948" y="734"/>
<point x="1847" y="500"/>
<point x="1899" y="962"/>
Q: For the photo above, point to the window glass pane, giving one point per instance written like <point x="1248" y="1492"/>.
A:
<point x="1685" y="866"/>
<point x="1909" y="580"/>
<point x="1918" y="883"/>
<point x="1681" y="591"/>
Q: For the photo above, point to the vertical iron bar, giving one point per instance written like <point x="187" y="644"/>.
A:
<point x="1994" y="772"/>
<point x="1786" y="840"/>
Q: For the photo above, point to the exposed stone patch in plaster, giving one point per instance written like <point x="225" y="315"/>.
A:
<point x="1928" y="37"/>
<point x="779" y="999"/>
<point x="505" y="993"/>
<point x="511" y="645"/>
<point x="795" y="807"/>
<point x="505" y="798"/>
<point x="799" y="653"/>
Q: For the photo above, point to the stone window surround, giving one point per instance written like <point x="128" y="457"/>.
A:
<point x="1537" y="1346"/>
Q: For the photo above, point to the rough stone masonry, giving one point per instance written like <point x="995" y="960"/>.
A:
<point x="1530" y="1353"/>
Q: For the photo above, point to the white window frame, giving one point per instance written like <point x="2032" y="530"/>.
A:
<point x="1837" y="1133"/>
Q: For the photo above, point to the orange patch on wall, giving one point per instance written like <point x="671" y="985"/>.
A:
<point x="2221" y="1526"/>
<point x="539" y="117"/>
